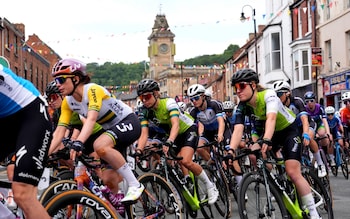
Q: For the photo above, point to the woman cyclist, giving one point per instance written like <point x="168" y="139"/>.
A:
<point x="26" y="131"/>
<point x="305" y="123"/>
<point x="96" y="104"/>
<point x="180" y="128"/>
<point x="335" y="125"/>
<point x="276" y="125"/>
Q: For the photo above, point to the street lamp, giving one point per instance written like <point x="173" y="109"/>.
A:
<point x="243" y="18"/>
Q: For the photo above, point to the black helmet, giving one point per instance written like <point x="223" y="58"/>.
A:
<point x="147" y="85"/>
<point x="246" y="75"/>
<point x="51" y="88"/>
<point x="309" y="95"/>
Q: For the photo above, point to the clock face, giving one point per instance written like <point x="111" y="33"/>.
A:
<point x="163" y="48"/>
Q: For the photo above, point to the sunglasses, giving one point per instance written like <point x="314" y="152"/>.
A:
<point x="346" y="101"/>
<point x="52" y="97"/>
<point x="195" y="98"/>
<point x="62" y="79"/>
<point x="145" y="97"/>
<point x="279" y="94"/>
<point x="309" y="101"/>
<point x="241" y="86"/>
<point x="330" y="114"/>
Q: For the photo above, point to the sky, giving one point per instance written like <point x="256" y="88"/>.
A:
<point x="117" y="30"/>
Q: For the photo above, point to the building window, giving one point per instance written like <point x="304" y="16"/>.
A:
<point x="7" y="39"/>
<point x="306" y="66"/>
<point x="329" y="55"/>
<point x="275" y="51"/>
<point x="309" y="17"/>
<point x="296" y="66"/>
<point x="328" y="10"/>
<point x="348" y="4"/>
<point x="301" y="65"/>
<point x="15" y="44"/>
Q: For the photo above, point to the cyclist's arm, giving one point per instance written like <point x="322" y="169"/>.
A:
<point x="221" y="128"/>
<point x="175" y="128"/>
<point x="200" y="128"/>
<point x="236" y="136"/>
<point x="58" y="135"/>
<point x="325" y="123"/>
<point x="88" y="126"/>
<point x="270" y="125"/>
<point x="142" y="141"/>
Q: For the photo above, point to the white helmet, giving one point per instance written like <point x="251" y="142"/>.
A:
<point x="208" y="93"/>
<point x="139" y="104"/>
<point x="330" y="110"/>
<point x="281" y="86"/>
<point x="228" y="105"/>
<point x="182" y="106"/>
<point x="195" y="89"/>
<point x="345" y="96"/>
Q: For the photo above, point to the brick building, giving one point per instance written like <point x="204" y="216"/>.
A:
<point x="25" y="58"/>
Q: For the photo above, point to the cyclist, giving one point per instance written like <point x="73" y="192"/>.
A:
<point x="345" y="114"/>
<point x="304" y="121"/>
<point x="94" y="103"/>
<point x="54" y="99"/>
<point x="275" y="123"/>
<point x="316" y="111"/>
<point x="26" y="131"/>
<point x="179" y="126"/>
<point x="229" y="108"/>
<point x="209" y="115"/>
<point x="335" y="125"/>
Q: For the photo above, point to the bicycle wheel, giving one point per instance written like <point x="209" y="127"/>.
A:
<point x="158" y="199"/>
<point x="337" y="161"/>
<point x="323" y="201"/>
<point x="344" y="164"/>
<point x="222" y="206"/>
<point x="56" y="188"/>
<point x="253" y="199"/>
<point x="67" y="204"/>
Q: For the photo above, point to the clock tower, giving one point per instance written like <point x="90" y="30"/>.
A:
<point x="161" y="49"/>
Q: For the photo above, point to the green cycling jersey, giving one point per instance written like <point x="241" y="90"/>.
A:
<point x="161" y="116"/>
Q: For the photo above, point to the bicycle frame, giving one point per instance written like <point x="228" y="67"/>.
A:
<point x="191" y="199"/>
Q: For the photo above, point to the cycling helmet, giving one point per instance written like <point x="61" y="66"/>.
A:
<point x="345" y="96"/>
<point x="246" y="75"/>
<point x="195" y="89"/>
<point x="309" y="95"/>
<point x="139" y="104"/>
<point x="228" y="105"/>
<point x="281" y="86"/>
<point x="147" y="85"/>
<point x="208" y="93"/>
<point x="51" y="88"/>
<point x="182" y="106"/>
<point x="329" y="110"/>
<point x="69" y="67"/>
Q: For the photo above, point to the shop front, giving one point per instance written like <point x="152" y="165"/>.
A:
<point x="334" y="86"/>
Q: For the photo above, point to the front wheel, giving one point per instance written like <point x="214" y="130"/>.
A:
<point x="158" y="199"/>
<point x="344" y="164"/>
<point x="253" y="199"/>
<point x="69" y="204"/>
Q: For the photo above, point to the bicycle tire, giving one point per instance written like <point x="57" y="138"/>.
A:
<point x="344" y="164"/>
<point x="176" y="188"/>
<point x="252" y="196"/>
<point x="64" y="203"/>
<point x="223" y="205"/>
<point x="157" y="191"/>
<point x="326" y="209"/>
<point x="337" y="161"/>
<point x="56" y="188"/>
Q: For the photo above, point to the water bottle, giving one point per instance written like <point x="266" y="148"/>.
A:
<point x="10" y="202"/>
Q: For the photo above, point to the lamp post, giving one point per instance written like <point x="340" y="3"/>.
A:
<point x="243" y="18"/>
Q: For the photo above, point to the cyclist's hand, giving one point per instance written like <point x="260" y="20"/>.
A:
<point x="306" y="139"/>
<point x="76" y="147"/>
<point x="220" y="138"/>
<point x="166" y="145"/>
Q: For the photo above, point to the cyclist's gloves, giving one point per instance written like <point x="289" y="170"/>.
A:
<point x="168" y="143"/>
<point x="67" y="142"/>
<point x="77" y="146"/>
